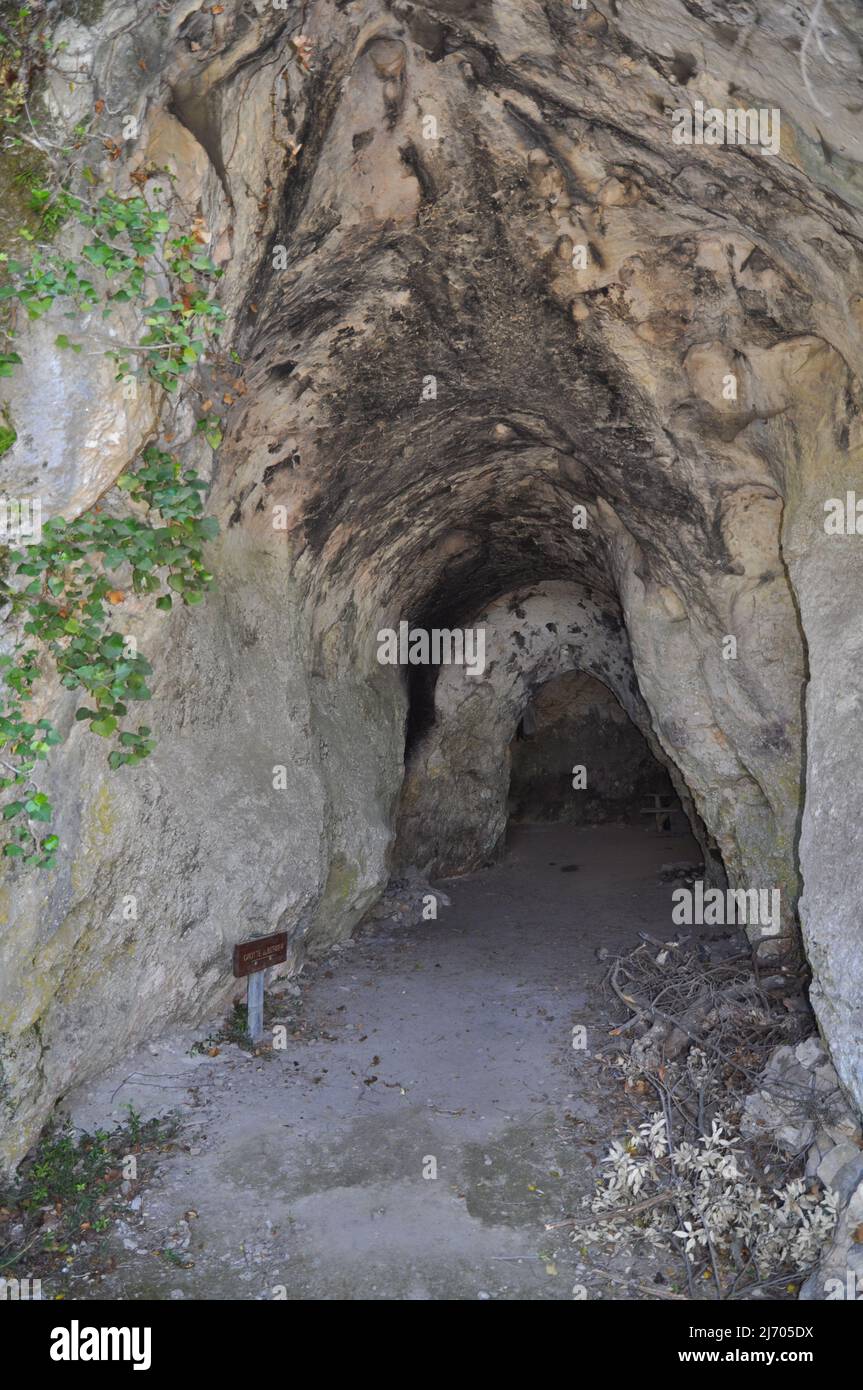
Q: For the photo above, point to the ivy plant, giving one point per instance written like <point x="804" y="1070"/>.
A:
<point x="129" y="242"/>
<point x="67" y="588"/>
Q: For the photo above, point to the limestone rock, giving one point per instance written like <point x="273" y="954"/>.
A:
<point x="799" y="1098"/>
<point x="434" y="384"/>
<point x="76" y="428"/>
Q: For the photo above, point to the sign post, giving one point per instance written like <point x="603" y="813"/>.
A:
<point x="251" y="960"/>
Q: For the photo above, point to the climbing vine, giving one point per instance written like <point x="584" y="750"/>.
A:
<point x="65" y="586"/>
<point x="129" y="242"/>
<point x="67" y="599"/>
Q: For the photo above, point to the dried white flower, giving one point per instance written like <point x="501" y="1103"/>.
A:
<point x="716" y="1205"/>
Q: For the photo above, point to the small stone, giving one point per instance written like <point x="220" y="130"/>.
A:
<point x="847" y="1178"/>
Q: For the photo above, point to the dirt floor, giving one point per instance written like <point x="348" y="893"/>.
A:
<point x="300" y="1173"/>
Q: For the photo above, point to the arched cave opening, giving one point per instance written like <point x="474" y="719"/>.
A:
<point x="557" y="676"/>
<point x="508" y="765"/>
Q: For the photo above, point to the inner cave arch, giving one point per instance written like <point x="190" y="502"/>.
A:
<point x="454" y="804"/>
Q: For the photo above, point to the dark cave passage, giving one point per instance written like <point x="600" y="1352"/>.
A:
<point x="578" y="758"/>
<point x="552" y="729"/>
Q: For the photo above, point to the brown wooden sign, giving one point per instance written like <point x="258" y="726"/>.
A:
<point x="260" y="953"/>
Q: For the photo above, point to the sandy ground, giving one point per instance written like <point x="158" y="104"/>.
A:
<point x="301" y="1173"/>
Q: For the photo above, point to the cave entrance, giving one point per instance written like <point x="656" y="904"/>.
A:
<point x="553" y="731"/>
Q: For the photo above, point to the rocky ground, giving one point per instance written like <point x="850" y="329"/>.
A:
<point x="298" y="1173"/>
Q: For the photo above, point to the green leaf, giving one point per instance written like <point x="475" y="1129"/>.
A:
<point x="105" y="727"/>
<point x="8" y="360"/>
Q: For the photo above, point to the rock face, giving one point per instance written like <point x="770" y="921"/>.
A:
<point x="799" y="1107"/>
<point x="476" y="286"/>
